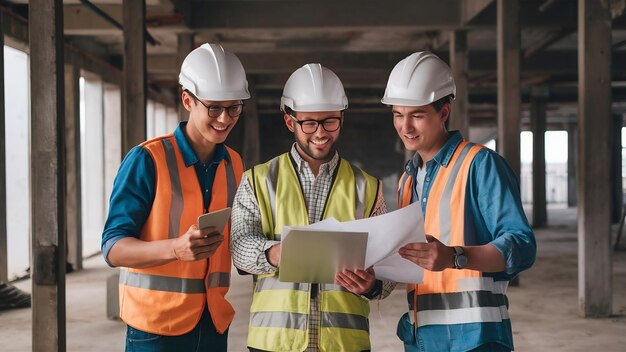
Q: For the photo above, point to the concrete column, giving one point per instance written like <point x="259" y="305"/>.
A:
<point x="47" y="174"/>
<point x="594" y="159"/>
<point x="134" y="83"/>
<point x="509" y="105"/>
<point x="185" y="46"/>
<point x="572" y="157"/>
<point x="616" y="169"/>
<point x="538" y="104"/>
<point x="72" y="168"/>
<point x="4" y="270"/>
<point x="458" y="61"/>
<point x="251" y="141"/>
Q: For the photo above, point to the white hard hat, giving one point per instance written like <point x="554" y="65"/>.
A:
<point x="211" y="73"/>
<point x="419" y="79"/>
<point x="313" y="88"/>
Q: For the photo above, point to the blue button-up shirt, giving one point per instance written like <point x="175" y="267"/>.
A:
<point x="493" y="215"/>
<point x="134" y="188"/>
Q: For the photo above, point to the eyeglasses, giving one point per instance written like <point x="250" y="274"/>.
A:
<point x="216" y="111"/>
<point x="330" y="124"/>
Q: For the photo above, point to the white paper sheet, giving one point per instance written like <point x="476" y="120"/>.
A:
<point x="387" y="233"/>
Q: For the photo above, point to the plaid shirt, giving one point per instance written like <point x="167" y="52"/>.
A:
<point x="248" y="243"/>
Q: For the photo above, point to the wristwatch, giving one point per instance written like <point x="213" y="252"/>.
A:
<point x="376" y="290"/>
<point x="460" y="260"/>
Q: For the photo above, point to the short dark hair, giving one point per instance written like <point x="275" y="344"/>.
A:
<point x="441" y="102"/>
<point x="438" y="105"/>
<point x="289" y="111"/>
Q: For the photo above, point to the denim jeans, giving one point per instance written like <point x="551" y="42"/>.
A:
<point x="203" y="338"/>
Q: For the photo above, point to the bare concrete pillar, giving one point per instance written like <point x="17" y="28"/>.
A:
<point x="47" y="174"/>
<point x="251" y="140"/>
<point x="538" y="104"/>
<point x="616" y="169"/>
<point x="572" y="158"/>
<point x="72" y="168"/>
<point x="594" y="159"/>
<point x="4" y="270"/>
<point x="509" y="105"/>
<point x="185" y="46"/>
<point x="134" y="86"/>
<point x="458" y="61"/>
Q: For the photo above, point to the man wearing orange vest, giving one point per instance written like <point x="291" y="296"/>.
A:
<point x="478" y="237"/>
<point x="174" y="276"/>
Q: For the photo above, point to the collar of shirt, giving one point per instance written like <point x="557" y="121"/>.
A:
<point x="328" y="167"/>
<point x="442" y="157"/>
<point x="189" y="156"/>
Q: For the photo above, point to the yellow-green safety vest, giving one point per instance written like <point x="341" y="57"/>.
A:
<point x="279" y="314"/>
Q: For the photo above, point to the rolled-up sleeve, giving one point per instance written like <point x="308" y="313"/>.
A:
<point x="499" y="218"/>
<point x="247" y="241"/>
<point x="131" y="199"/>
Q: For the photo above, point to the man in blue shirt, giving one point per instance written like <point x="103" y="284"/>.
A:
<point x="174" y="275"/>
<point x="478" y="237"/>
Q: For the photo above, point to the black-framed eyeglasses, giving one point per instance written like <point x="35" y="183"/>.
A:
<point x="216" y="111"/>
<point x="330" y="124"/>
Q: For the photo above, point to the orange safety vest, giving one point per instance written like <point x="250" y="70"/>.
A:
<point x="451" y="296"/>
<point x="169" y="299"/>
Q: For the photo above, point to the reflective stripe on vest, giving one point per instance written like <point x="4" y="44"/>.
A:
<point x="283" y="320"/>
<point x="161" y="283"/>
<point x="452" y="296"/>
<point x="444" y="203"/>
<point x="344" y="321"/>
<point x="280" y="310"/>
<point x="481" y="300"/>
<point x="177" y="203"/>
<point x="218" y="280"/>
<point x="182" y="289"/>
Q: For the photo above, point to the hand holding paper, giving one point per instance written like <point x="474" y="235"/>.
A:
<point x="386" y="235"/>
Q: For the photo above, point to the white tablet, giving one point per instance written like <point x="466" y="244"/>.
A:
<point x="217" y="219"/>
<point x="315" y="256"/>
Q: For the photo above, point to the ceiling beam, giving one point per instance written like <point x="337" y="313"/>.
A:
<point x="472" y="9"/>
<point x="544" y="62"/>
<point x="531" y="16"/>
<point x="424" y="14"/>
<point x="550" y="38"/>
<point x="80" y="20"/>
<point x="15" y="29"/>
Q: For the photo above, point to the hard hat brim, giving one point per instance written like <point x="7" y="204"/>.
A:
<point x="225" y="96"/>
<point x="404" y="102"/>
<point x="318" y="108"/>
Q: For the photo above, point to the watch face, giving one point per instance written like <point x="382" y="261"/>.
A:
<point x="460" y="261"/>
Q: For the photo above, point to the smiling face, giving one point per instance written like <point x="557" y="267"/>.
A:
<point x="205" y="130"/>
<point x="317" y="147"/>
<point x="421" y="128"/>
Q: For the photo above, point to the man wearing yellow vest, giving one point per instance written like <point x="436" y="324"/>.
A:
<point x="478" y="236"/>
<point x="303" y="186"/>
<point x="174" y="276"/>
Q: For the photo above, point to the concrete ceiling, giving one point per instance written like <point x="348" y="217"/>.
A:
<point x="361" y="40"/>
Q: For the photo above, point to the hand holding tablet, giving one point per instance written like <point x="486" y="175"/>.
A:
<point x="217" y="219"/>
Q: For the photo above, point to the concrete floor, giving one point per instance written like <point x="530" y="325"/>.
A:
<point x="544" y="308"/>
